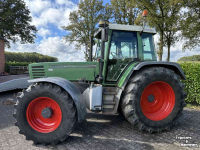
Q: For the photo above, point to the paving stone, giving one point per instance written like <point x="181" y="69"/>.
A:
<point x="104" y="132"/>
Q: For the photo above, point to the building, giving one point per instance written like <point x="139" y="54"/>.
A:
<point x="2" y="54"/>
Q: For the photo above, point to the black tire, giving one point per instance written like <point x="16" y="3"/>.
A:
<point x="61" y="97"/>
<point x="130" y="102"/>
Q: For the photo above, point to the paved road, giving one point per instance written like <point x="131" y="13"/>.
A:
<point x="104" y="132"/>
<point x="11" y="77"/>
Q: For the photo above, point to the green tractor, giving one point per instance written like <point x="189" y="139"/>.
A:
<point x="125" y="76"/>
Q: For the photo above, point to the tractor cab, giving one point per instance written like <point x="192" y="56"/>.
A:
<point x="122" y="45"/>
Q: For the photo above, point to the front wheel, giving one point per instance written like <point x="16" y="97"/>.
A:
<point x="45" y="113"/>
<point x="153" y="99"/>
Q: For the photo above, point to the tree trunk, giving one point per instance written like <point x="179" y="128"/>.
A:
<point x="160" y="53"/>
<point x="168" y="51"/>
<point x="86" y="51"/>
<point x="2" y="56"/>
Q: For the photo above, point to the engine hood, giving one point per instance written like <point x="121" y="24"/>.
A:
<point x="72" y="71"/>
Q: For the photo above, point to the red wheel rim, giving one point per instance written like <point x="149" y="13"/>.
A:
<point x="163" y="101"/>
<point x="37" y="121"/>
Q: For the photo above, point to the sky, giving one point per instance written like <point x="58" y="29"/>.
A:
<point x="49" y="15"/>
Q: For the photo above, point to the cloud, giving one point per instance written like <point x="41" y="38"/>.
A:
<point x="43" y="32"/>
<point x="36" y="6"/>
<point x="65" y="2"/>
<point x="48" y="16"/>
<point x="176" y="50"/>
<point x="52" y="46"/>
<point x="178" y="53"/>
<point x="53" y="14"/>
<point x="46" y="13"/>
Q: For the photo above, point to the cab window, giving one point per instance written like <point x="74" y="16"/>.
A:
<point x="148" y="47"/>
<point x="123" y="50"/>
<point x="98" y="50"/>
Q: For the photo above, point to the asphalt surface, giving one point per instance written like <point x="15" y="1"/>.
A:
<point x="105" y="132"/>
<point x="11" y="77"/>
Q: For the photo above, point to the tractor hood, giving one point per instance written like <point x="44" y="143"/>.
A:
<point x="72" y="71"/>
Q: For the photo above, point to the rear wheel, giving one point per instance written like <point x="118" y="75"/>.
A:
<point x="45" y="113"/>
<point x="153" y="99"/>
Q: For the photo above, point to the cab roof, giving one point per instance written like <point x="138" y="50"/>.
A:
<point x="126" y="28"/>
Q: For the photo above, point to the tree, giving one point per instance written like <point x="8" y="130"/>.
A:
<point x="28" y="57"/>
<point x="15" y="21"/>
<point x="124" y="11"/>
<point x="155" y="19"/>
<point x="190" y="58"/>
<point x="164" y="16"/>
<point x="172" y="24"/>
<point x="84" y="22"/>
<point x="191" y="24"/>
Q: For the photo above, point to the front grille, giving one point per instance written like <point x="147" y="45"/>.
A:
<point x="37" y="66"/>
<point x="38" y="71"/>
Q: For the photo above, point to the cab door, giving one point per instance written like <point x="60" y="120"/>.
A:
<point x="123" y="50"/>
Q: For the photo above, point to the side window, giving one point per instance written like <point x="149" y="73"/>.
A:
<point x="123" y="45"/>
<point x="123" y="50"/>
<point x="98" y="49"/>
<point x="148" y="47"/>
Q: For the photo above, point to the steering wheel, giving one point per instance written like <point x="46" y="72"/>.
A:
<point x="112" y="53"/>
<point x="116" y="56"/>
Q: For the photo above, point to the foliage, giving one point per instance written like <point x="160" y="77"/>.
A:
<point x="155" y="18"/>
<point x="28" y="57"/>
<point x="193" y="106"/>
<point x="191" y="24"/>
<point x="190" y="58"/>
<point x="15" y="21"/>
<point x="7" y="64"/>
<point x="164" y="16"/>
<point x="124" y="11"/>
<point x="172" y="24"/>
<point x="192" y="70"/>
<point x="84" y="22"/>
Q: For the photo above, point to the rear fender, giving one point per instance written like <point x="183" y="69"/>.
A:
<point x="170" y="65"/>
<point x="71" y="88"/>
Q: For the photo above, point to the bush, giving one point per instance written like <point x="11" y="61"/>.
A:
<point x="7" y="64"/>
<point x="28" y="57"/>
<point x="190" y="58"/>
<point x="192" y="73"/>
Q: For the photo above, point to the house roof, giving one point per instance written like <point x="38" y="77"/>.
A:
<point x="3" y="39"/>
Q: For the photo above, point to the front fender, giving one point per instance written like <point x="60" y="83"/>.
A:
<point x="170" y="65"/>
<point x="71" y="89"/>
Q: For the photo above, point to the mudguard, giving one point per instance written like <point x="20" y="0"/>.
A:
<point x="170" y="65"/>
<point x="71" y="89"/>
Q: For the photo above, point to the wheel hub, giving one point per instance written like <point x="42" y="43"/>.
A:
<point x="151" y="98"/>
<point x="157" y="100"/>
<point x="47" y="112"/>
<point x="44" y="114"/>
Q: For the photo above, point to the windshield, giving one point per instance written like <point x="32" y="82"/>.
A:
<point x="123" y="50"/>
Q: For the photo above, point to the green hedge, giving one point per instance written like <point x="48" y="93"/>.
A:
<point x="190" y="58"/>
<point x="192" y="73"/>
<point x="28" y="57"/>
<point x="7" y="64"/>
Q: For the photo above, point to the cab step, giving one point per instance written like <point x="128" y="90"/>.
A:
<point x="111" y="97"/>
